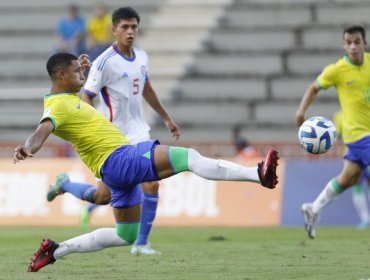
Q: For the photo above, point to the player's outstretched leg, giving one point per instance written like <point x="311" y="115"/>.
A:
<point x="213" y="169"/>
<point x="43" y="256"/>
<point x="57" y="188"/>
<point x="63" y="184"/>
<point x="125" y="233"/>
<point x="99" y="239"/>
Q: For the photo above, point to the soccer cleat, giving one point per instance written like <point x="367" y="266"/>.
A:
<point x="43" y="256"/>
<point x="267" y="170"/>
<point x="310" y="219"/>
<point x="57" y="188"/>
<point x="144" y="250"/>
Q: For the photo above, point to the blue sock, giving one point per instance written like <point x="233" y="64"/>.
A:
<point x="80" y="190"/>
<point x="150" y="204"/>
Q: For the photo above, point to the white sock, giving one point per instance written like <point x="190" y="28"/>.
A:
<point x="360" y="202"/>
<point x="90" y="242"/>
<point x="216" y="169"/>
<point x="328" y="194"/>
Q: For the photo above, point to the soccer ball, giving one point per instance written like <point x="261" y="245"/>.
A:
<point x="317" y="135"/>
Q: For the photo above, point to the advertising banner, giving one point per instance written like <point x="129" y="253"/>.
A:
<point x="185" y="199"/>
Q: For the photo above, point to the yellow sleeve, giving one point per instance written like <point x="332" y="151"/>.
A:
<point x="56" y="112"/>
<point x="328" y="77"/>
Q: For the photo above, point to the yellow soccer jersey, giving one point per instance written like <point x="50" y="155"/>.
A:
<point x="338" y="121"/>
<point x="352" y="83"/>
<point x="91" y="134"/>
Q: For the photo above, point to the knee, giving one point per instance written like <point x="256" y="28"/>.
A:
<point x="102" y="196"/>
<point x="102" y="199"/>
<point x="150" y="187"/>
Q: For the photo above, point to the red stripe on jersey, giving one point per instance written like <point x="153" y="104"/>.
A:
<point x="106" y="99"/>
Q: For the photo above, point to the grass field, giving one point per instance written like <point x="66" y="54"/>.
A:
<point x="200" y="253"/>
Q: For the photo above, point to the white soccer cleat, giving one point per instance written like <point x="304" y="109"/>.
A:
<point x="310" y="219"/>
<point x="144" y="250"/>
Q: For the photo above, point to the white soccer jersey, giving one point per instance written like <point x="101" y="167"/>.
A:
<point x="118" y="82"/>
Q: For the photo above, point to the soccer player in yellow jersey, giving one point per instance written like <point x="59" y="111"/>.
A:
<point x="121" y="166"/>
<point x="350" y="76"/>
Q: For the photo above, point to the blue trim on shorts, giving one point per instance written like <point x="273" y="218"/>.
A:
<point x="152" y="160"/>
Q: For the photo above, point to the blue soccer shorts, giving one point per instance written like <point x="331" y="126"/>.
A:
<point x="359" y="152"/>
<point x="125" y="169"/>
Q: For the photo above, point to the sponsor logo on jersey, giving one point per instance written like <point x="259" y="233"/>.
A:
<point x="124" y="75"/>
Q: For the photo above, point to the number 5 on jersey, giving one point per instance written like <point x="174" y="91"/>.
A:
<point x="136" y="86"/>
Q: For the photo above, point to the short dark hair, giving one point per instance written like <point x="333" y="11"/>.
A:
<point x="59" y="61"/>
<point x="124" y="13"/>
<point x="354" y="29"/>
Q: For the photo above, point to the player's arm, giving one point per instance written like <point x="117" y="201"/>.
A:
<point x="87" y="98"/>
<point x="34" y="141"/>
<point x="153" y="100"/>
<point x="308" y="98"/>
<point x="93" y="82"/>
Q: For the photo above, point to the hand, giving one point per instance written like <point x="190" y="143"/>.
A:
<point x="21" y="153"/>
<point x="173" y="128"/>
<point x="84" y="61"/>
<point x="299" y="118"/>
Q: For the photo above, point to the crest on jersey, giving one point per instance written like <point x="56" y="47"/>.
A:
<point x="143" y="70"/>
<point x="47" y="111"/>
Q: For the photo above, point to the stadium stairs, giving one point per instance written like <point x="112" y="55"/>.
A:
<point x="221" y="67"/>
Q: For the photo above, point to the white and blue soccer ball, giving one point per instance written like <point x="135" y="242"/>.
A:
<point x="317" y="135"/>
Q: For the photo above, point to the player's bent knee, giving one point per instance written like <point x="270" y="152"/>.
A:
<point x="150" y="187"/>
<point x="128" y="232"/>
<point x="102" y="199"/>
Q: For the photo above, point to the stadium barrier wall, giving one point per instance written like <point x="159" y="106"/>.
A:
<point x="304" y="180"/>
<point x="185" y="199"/>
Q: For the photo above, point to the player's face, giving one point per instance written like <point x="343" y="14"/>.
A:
<point x="354" y="46"/>
<point x="126" y="31"/>
<point x="75" y="77"/>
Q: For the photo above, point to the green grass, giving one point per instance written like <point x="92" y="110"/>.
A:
<point x="200" y="253"/>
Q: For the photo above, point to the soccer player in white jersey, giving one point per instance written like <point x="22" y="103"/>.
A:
<point x="119" y="80"/>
